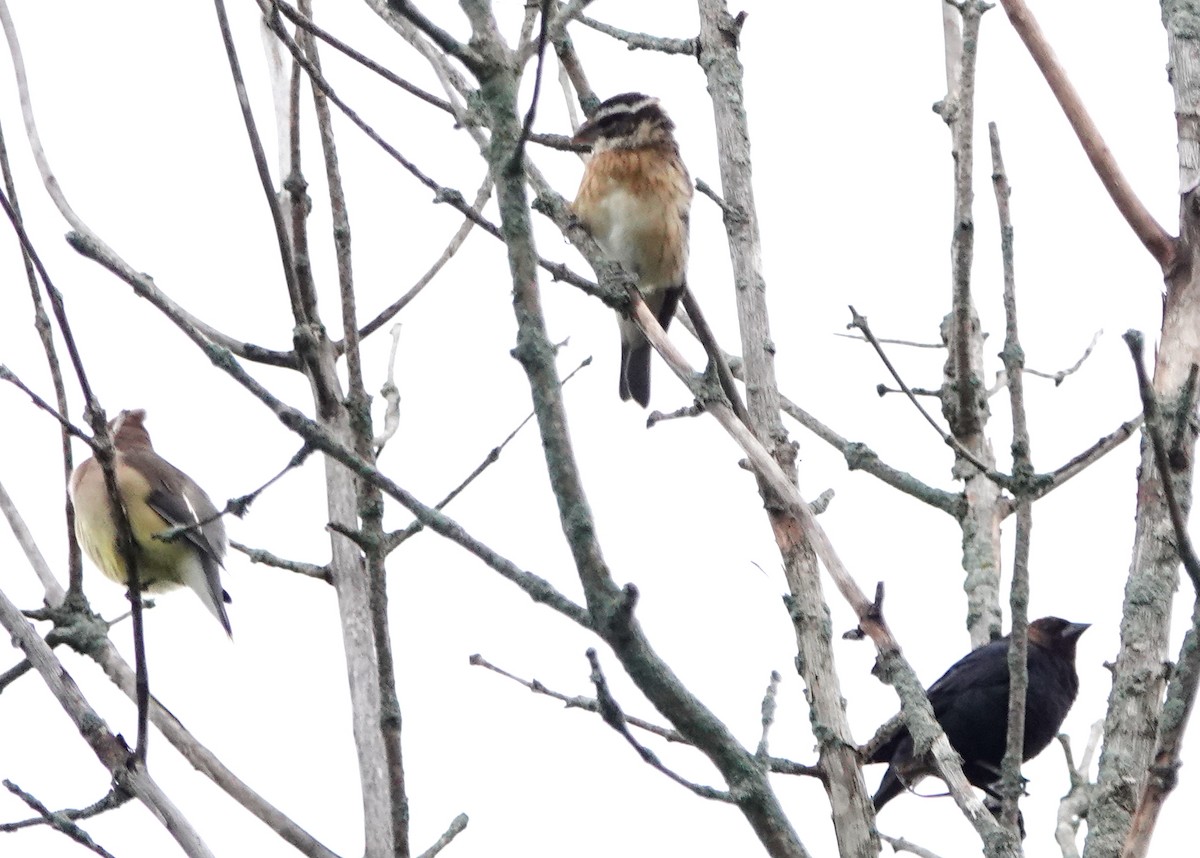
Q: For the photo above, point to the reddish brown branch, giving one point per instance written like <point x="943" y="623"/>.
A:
<point x="1156" y="239"/>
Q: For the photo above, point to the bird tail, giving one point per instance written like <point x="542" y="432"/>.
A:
<point x="635" y="372"/>
<point x="890" y="787"/>
<point x="635" y="350"/>
<point x="201" y="574"/>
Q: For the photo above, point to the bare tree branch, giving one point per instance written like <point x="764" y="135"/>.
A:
<point x="457" y="826"/>
<point x="643" y="41"/>
<point x="1156" y="239"/>
<point x="1013" y="356"/>
<point x="610" y="712"/>
<point x="58" y="821"/>
<point x="860" y="322"/>
<point x="128" y="770"/>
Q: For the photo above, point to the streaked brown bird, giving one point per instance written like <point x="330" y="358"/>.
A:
<point x="634" y="199"/>
<point x="970" y="701"/>
<point x="157" y="497"/>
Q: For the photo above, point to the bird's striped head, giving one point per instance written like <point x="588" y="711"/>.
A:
<point x="627" y="121"/>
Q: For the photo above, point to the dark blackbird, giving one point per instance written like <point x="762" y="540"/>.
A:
<point x="970" y="701"/>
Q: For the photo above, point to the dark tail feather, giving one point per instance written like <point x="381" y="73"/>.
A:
<point x="890" y="787"/>
<point x="670" y="301"/>
<point x="635" y="358"/>
<point x="635" y="372"/>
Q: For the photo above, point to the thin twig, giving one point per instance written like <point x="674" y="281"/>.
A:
<point x="457" y="825"/>
<point x="260" y="157"/>
<point x="777" y="765"/>
<point x="302" y="21"/>
<point x="715" y="354"/>
<point x="456" y="241"/>
<point x="882" y="390"/>
<point x="643" y="41"/>
<point x="58" y="820"/>
<point x="517" y="161"/>
<point x="768" y="713"/>
<point x="266" y="558"/>
<point x="12" y="378"/>
<point x="41" y="324"/>
<point x="859" y="456"/>
<point x="442" y="194"/>
<point x="587" y="704"/>
<point x="899" y="844"/>
<point x="995" y="476"/>
<point x="111" y="800"/>
<point x="611" y="712"/>
<point x="463" y="53"/>
<point x="493" y="456"/>
<point x="1046" y="483"/>
<point x="1183" y="542"/>
<point x="1059" y="376"/>
<point x="707" y="190"/>
<point x="1073" y="806"/>
<point x="235" y="506"/>
<point x="890" y="342"/>
<point x="391" y="396"/>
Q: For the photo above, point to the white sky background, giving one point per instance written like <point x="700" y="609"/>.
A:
<point x="853" y="178"/>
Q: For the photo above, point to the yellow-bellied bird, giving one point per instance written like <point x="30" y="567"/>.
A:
<point x="634" y="199"/>
<point x="157" y="497"/>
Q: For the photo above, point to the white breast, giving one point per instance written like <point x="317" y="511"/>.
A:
<point x="632" y="230"/>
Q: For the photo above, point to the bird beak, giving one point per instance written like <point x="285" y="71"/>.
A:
<point x="586" y="135"/>
<point x="1074" y="630"/>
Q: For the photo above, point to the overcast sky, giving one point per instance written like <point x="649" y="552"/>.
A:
<point x="853" y="176"/>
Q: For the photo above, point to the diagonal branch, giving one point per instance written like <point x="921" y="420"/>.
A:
<point x="950" y="441"/>
<point x="1013" y="356"/>
<point x="1155" y="239"/>
<point x="1187" y="552"/>
<point x="610" y="712"/>
<point x="64" y="821"/>
<point x="861" y="457"/>
<point x="644" y="41"/>
<point x="465" y="54"/>
<point x="457" y="826"/>
<point x="128" y="771"/>
<point x="1185" y="674"/>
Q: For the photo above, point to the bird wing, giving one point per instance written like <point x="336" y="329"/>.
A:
<point x="978" y="672"/>
<point x="986" y="667"/>
<point x="181" y="503"/>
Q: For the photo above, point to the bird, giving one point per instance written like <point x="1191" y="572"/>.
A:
<point x="634" y="199"/>
<point x="970" y="701"/>
<point x="157" y="497"/>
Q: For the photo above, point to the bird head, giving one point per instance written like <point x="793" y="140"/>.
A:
<point x="1057" y="634"/>
<point x="129" y="429"/>
<point x="627" y="121"/>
